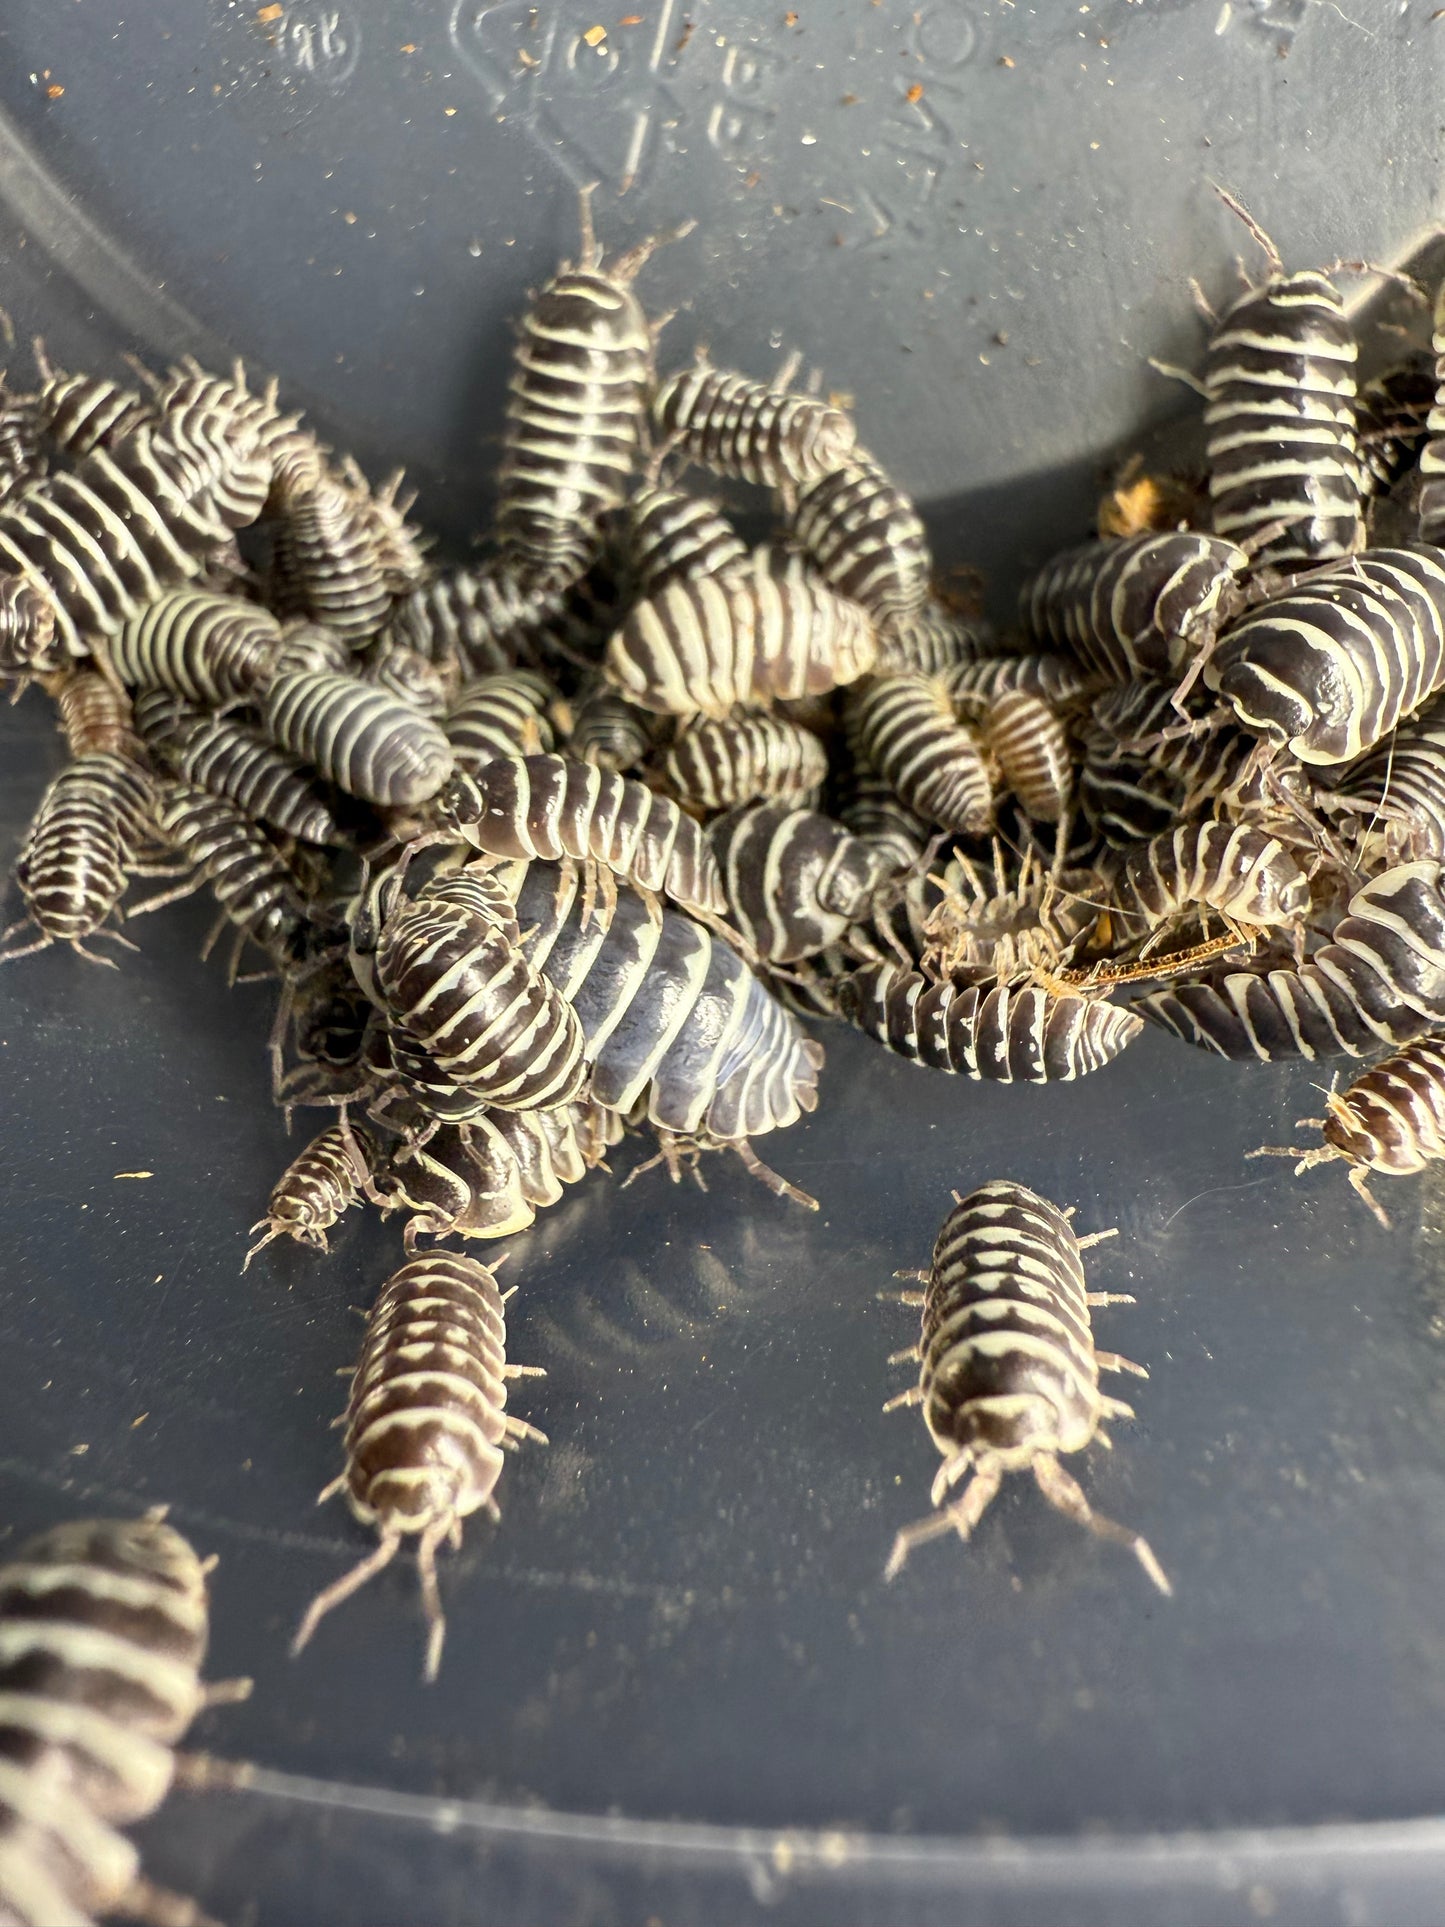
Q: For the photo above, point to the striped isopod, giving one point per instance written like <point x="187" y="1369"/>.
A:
<point x="1380" y="980"/>
<point x="1243" y="873"/>
<point x="973" y="1024"/>
<point x="500" y="714"/>
<point x="1030" y="744"/>
<point x="481" y="620"/>
<point x="673" y="535"/>
<point x="94" y="716"/>
<point x="576" y="414"/>
<point x="449" y="970"/>
<point x="103" y="1630"/>
<point x="931" y="639"/>
<point x="1391" y="1119"/>
<point x="1013" y="923"/>
<point x="1144" y="766"/>
<point x="1143" y="606"/>
<point x="208" y="648"/>
<point x="1330" y="667"/>
<point x="426" y="1424"/>
<point x="606" y="730"/>
<point x="80" y="413"/>
<point x="554" y="806"/>
<point x="193" y="401"/>
<point x="399" y="546"/>
<point x="489" y="1176"/>
<point x="1432" y="455"/>
<point x="794" y="879"/>
<point x="22" y="458"/>
<point x="749" y="429"/>
<point x="906" y="728"/>
<point x="671" y="1015"/>
<point x="88" y="827"/>
<point x="103" y="541"/>
<point x="1008" y="1371"/>
<point x="867" y="540"/>
<point x="325" y="559"/>
<point x="1398" y="790"/>
<point x="766" y="633"/>
<point x="1392" y="422"/>
<point x="234" y="758"/>
<point x="1279" y="417"/>
<point x="411" y="1080"/>
<point x="865" y="803"/>
<point x="258" y="891"/>
<point x="361" y="738"/>
<point x="318" y="1186"/>
<point x="414" y="679"/>
<point x="713" y="764"/>
<point x="1060" y="681"/>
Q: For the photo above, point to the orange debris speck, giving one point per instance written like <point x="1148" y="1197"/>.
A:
<point x="915" y="92"/>
<point x="594" y="36"/>
<point x="790" y="19"/>
<point x="630" y="20"/>
<point x="1004" y="60"/>
<point x="54" y="93"/>
<point x="267" y="14"/>
<point x="409" y="48"/>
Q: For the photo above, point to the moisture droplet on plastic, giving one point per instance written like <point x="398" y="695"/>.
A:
<point x="775" y="338"/>
<point x="474" y="249"/>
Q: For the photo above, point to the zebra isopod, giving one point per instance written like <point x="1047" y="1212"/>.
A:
<point x="234" y="758"/>
<point x="255" y="886"/>
<point x="768" y="633"/>
<point x="576" y="415"/>
<point x="1279" y="417"/>
<point x="794" y="879"/>
<point x="318" y="1186"/>
<point x="1379" y="981"/>
<point x="426" y="1424"/>
<point x="1146" y="605"/>
<point x="750" y="430"/>
<point x="972" y="1024"/>
<point x="555" y="806"/>
<point x="1390" y="1120"/>
<point x="1330" y="667"/>
<point x="103" y="1630"/>
<point x="73" y="866"/>
<point x="906" y="727"/>
<point x="713" y="764"/>
<point x="360" y="738"/>
<point x="1008" y="1372"/>
<point x="449" y="970"/>
<point x="208" y="648"/>
<point x="500" y="714"/>
<point x="673" y="535"/>
<point x="867" y="540"/>
<point x="1245" y="874"/>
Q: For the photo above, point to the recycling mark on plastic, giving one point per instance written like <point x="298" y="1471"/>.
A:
<point x="593" y="105"/>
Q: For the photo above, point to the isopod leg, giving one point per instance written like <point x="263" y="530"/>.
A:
<point x="1062" y="1490"/>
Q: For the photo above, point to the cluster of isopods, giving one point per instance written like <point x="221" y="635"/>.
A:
<point x="576" y="841"/>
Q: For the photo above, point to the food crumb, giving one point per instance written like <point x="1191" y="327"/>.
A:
<point x="53" y="92"/>
<point x="915" y="93"/>
<point x="1005" y="60"/>
<point x="79" y="1451"/>
<point x="132" y="1174"/>
<point x="594" y="36"/>
<point x="267" y="14"/>
<point x="450" y="112"/>
<point x="848" y="100"/>
<point x="630" y="20"/>
<point x="790" y="19"/>
<point x="408" y="48"/>
<point x="139" y="1421"/>
<point x="350" y="219"/>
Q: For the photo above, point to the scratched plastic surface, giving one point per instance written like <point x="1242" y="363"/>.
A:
<point x="676" y="1688"/>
